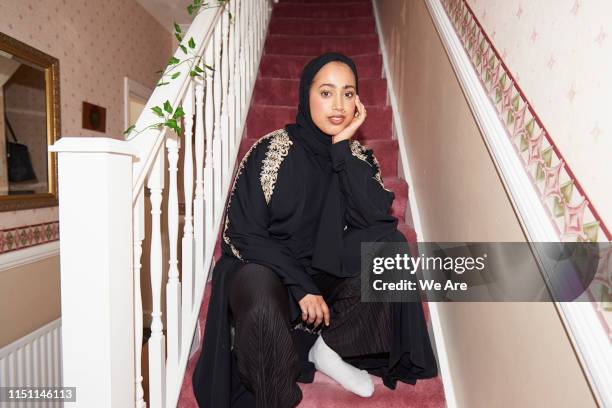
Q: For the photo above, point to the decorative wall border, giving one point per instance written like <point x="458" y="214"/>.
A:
<point x="573" y="215"/>
<point x="562" y="195"/>
<point x="27" y="236"/>
<point x="507" y="126"/>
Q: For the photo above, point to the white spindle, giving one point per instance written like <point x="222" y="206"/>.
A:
<point x="187" y="241"/>
<point x="217" y="154"/>
<point x="225" y="135"/>
<point x="243" y="58"/>
<point x="231" y="76"/>
<point x="249" y="40"/>
<point x="173" y="287"/>
<point x="139" y="234"/>
<point x="198" y="204"/>
<point x="157" y="369"/>
<point x="209" y="198"/>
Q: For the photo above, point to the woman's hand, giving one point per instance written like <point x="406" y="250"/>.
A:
<point x="314" y="309"/>
<point x="352" y="127"/>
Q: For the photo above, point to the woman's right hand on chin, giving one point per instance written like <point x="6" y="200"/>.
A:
<point x="314" y="309"/>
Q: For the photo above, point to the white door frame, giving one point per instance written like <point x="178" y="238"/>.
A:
<point x="131" y="87"/>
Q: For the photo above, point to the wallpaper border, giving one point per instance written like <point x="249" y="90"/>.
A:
<point x="12" y="239"/>
<point x="573" y="215"/>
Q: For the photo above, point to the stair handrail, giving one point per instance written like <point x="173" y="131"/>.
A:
<point x="102" y="198"/>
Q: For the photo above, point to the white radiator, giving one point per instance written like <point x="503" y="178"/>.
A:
<point x="34" y="360"/>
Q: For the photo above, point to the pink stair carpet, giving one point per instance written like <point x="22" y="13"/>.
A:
<point x="298" y="31"/>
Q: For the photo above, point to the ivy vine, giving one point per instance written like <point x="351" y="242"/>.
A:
<point x="196" y="67"/>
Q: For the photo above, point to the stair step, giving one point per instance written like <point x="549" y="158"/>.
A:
<point x="309" y="26"/>
<point x="351" y="45"/>
<point x="284" y="92"/>
<point x="318" y="2"/>
<point x="291" y="66"/>
<point x="263" y="119"/>
<point x="424" y="394"/>
<point x="323" y="10"/>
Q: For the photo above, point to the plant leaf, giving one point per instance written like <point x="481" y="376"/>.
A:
<point x="158" y="111"/>
<point x="177" y="27"/>
<point x="168" y="107"/>
<point x="179" y="112"/>
<point x="178" y="37"/>
<point x="175" y="75"/>
<point x="173" y="61"/>
<point x="129" y="130"/>
<point x="198" y="69"/>
<point x="162" y="83"/>
<point x="190" y="9"/>
<point x="191" y="43"/>
<point x="183" y="48"/>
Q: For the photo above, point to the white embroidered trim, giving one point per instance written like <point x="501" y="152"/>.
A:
<point x="280" y="132"/>
<point x="276" y="153"/>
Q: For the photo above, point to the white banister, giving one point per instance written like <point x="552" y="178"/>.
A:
<point x="173" y="287"/>
<point x="157" y="342"/>
<point x="188" y="240"/>
<point x="209" y="171"/>
<point x="217" y="98"/>
<point x="95" y="189"/>
<point x="139" y="234"/>
<point x="105" y="230"/>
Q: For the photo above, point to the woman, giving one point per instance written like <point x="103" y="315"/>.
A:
<point x="286" y="292"/>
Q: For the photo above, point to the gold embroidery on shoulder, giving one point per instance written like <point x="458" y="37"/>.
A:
<point x="277" y="151"/>
<point x="359" y="151"/>
<point x="238" y="173"/>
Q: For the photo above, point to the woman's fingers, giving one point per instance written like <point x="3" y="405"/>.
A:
<point x="319" y="312"/>
<point x="325" y="310"/>
<point x="315" y="311"/>
<point x="312" y="313"/>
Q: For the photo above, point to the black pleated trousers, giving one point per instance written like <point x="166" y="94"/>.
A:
<point x="266" y="356"/>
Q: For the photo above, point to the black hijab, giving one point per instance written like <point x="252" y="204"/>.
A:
<point x="328" y="245"/>
<point x="304" y="128"/>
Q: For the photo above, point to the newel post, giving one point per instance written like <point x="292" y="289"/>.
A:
<point x="95" y="211"/>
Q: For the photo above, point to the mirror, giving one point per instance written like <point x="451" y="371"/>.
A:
<point x="29" y="123"/>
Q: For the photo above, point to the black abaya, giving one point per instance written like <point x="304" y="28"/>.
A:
<point x="301" y="206"/>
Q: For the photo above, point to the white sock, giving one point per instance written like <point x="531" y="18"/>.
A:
<point x="330" y="363"/>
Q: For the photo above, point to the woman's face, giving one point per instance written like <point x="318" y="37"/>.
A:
<point x="332" y="98"/>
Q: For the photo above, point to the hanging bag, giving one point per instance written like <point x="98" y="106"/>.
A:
<point x="18" y="158"/>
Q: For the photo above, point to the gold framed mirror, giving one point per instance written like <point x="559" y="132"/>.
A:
<point x="29" y="124"/>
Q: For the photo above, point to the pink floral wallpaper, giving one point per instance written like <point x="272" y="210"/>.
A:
<point x="560" y="54"/>
<point x="546" y="70"/>
<point x="97" y="43"/>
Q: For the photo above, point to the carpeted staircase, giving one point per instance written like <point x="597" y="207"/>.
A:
<point x="300" y="30"/>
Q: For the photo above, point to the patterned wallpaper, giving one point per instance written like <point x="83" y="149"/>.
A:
<point x="560" y="53"/>
<point x="549" y="105"/>
<point x="97" y="43"/>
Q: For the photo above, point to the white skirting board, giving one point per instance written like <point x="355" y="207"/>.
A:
<point x="436" y="326"/>
<point x="34" y="360"/>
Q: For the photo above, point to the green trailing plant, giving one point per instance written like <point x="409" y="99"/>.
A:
<point x="192" y="62"/>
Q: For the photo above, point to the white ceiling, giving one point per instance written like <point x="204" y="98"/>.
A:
<point x="168" y="11"/>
